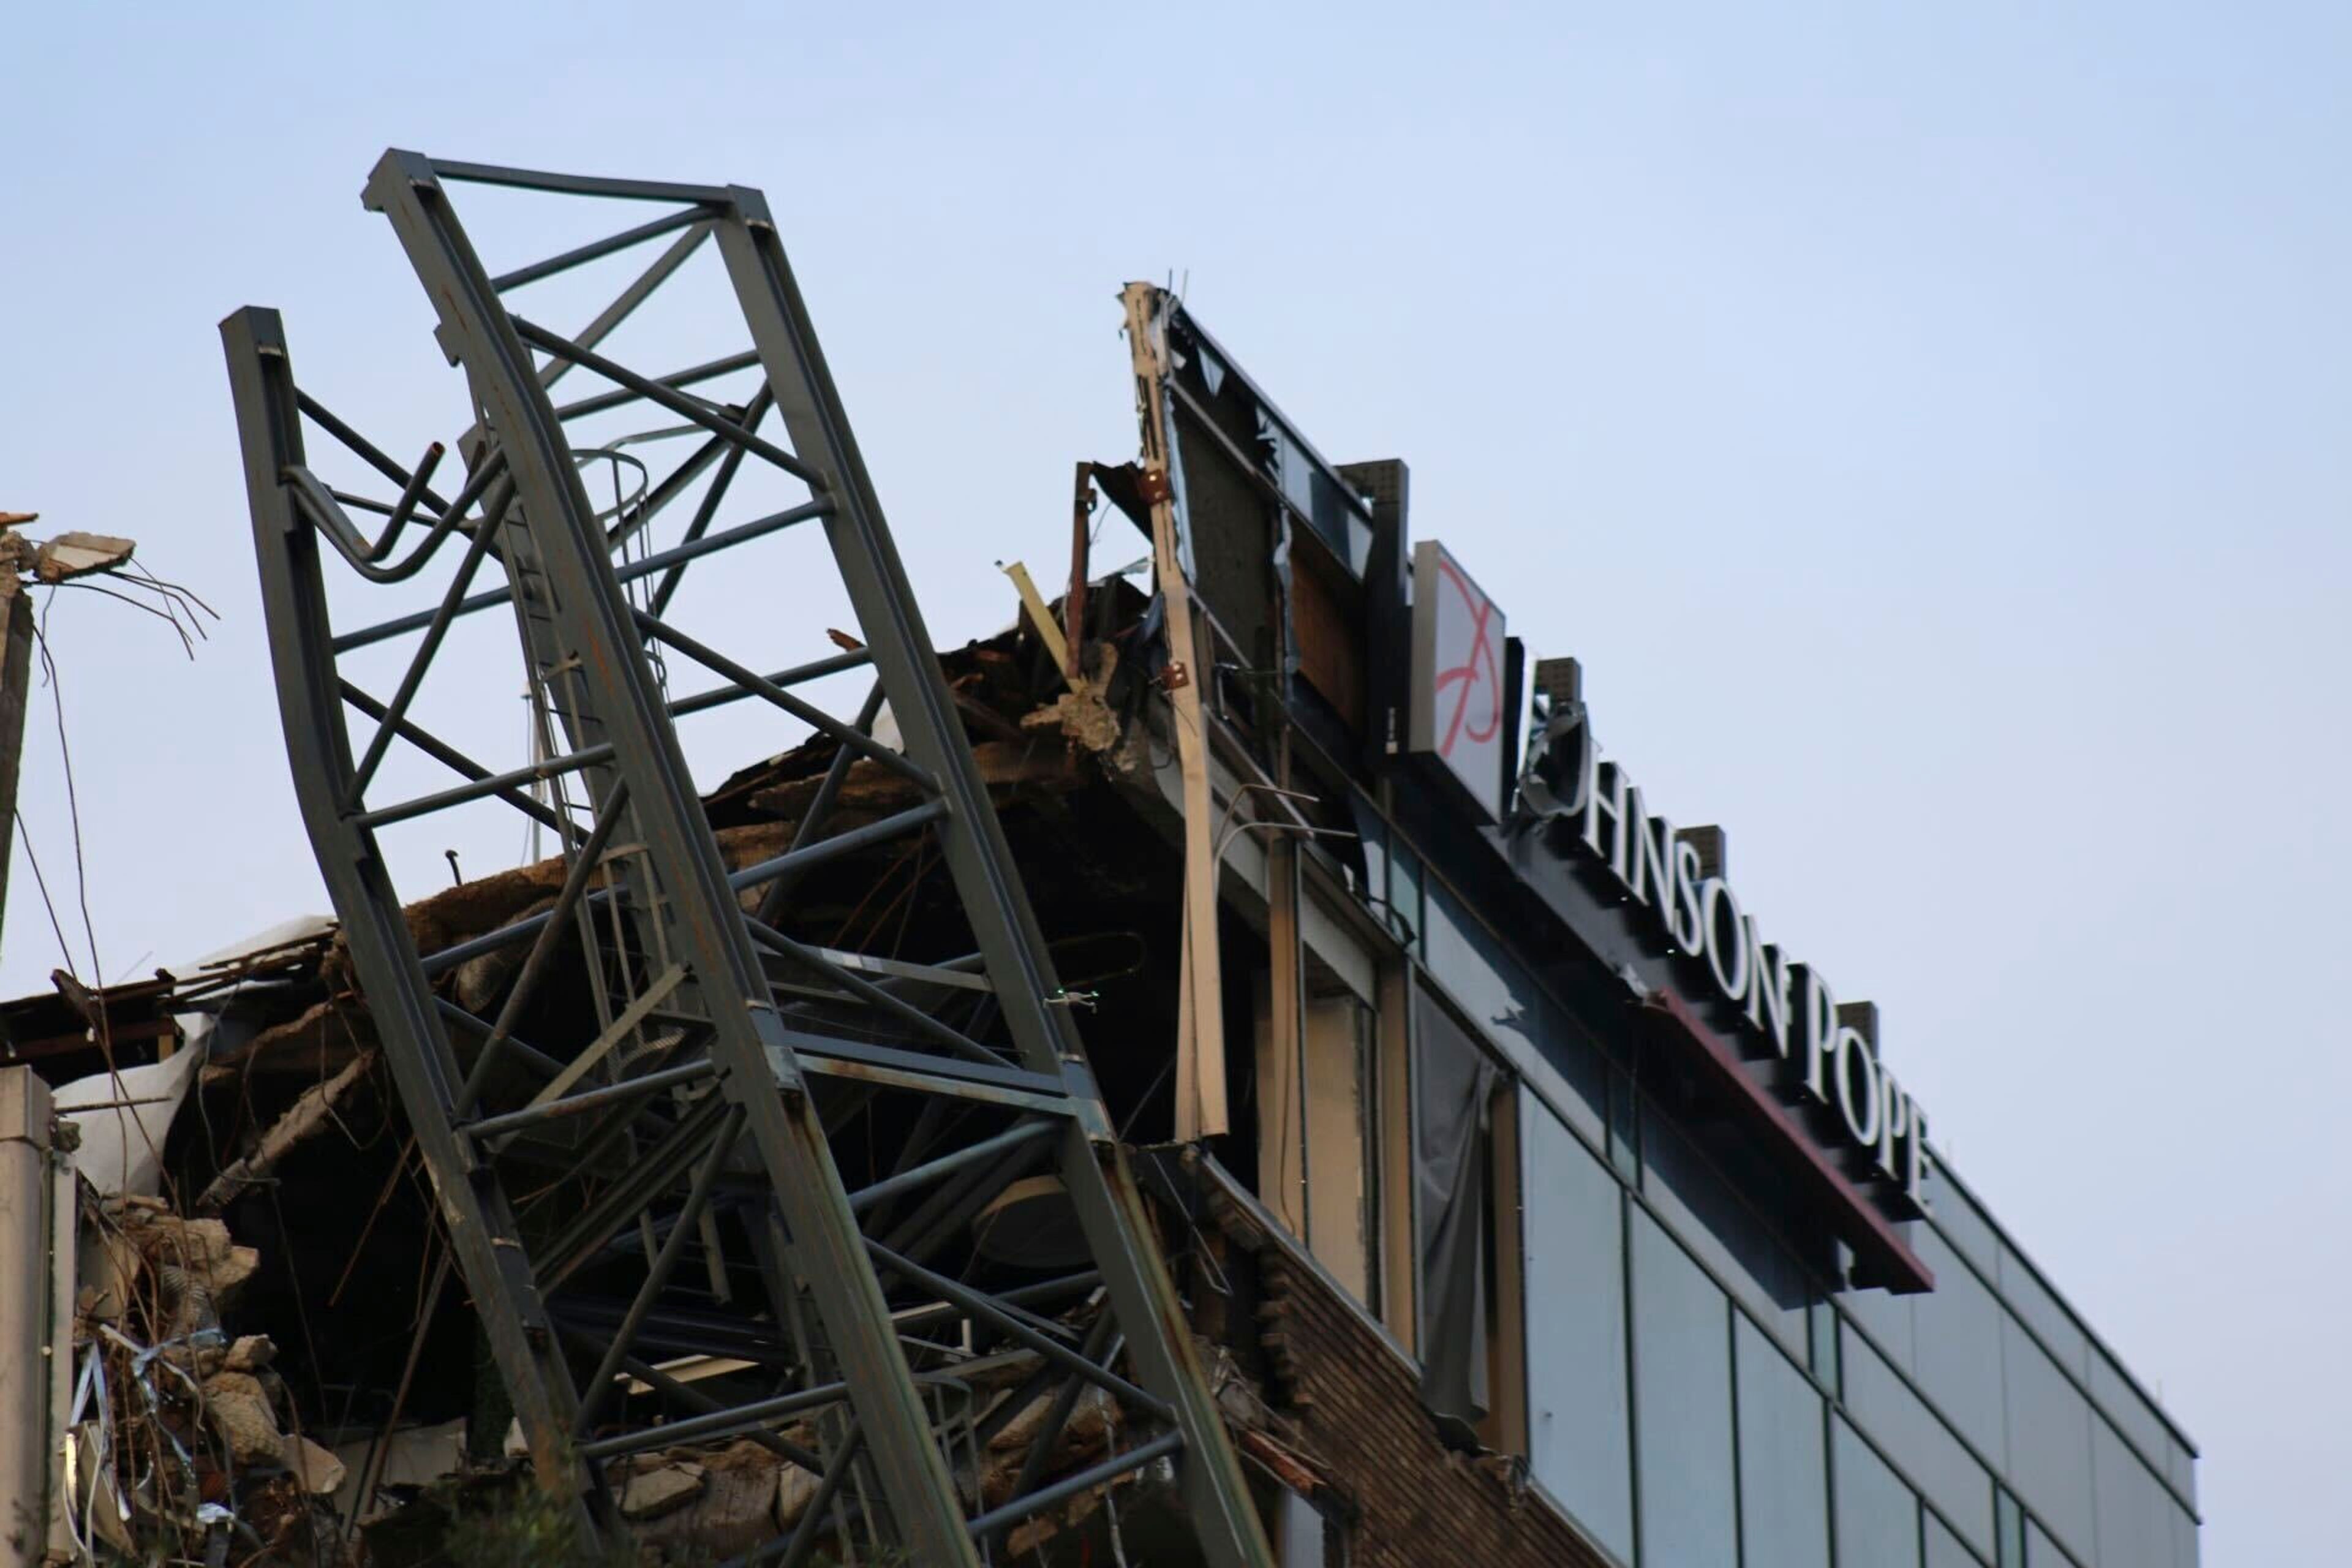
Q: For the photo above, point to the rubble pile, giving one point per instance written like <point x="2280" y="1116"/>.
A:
<point x="184" y="1443"/>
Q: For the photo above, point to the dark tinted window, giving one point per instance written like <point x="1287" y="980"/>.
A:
<point x="1579" y="1445"/>
<point x="1919" y="1442"/>
<point x="2049" y="1440"/>
<point x="1682" y="1383"/>
<point x="1783" y="1460"/>
<point x="1877" y="1515"/>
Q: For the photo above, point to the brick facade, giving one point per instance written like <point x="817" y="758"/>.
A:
<point x="1339" y="1395"/>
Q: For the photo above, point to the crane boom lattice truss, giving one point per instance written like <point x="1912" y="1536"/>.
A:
<point x="703" y="1061"/>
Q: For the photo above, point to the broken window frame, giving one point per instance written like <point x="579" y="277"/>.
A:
<point x="1316" y="934"/>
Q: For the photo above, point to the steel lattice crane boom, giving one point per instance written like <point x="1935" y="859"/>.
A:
<point x="681" y="1107"/>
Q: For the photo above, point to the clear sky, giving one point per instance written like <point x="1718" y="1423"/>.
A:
<point x="1929" y="426"/>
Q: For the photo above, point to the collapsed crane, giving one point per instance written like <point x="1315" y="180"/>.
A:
<point x="708" y="1060"/>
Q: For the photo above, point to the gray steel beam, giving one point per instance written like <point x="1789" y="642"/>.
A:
<point x="480" y="1228"/>
<point x="1214" y="1489"/>
<point x="757" y="1072"/>
<point x="697" y="1081"/>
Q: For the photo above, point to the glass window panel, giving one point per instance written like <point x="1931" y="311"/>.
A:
<point x="1404" y="896"/>
<point x="2184" y="1540"/>
<point x="1704" y="1211"/>
<point x="2044" y="1313"/>
<point x="2049" y="1440"/>
<point x="1682" y="1382"/>
<point x="1823" y="1351"/>
<point x="2009" y="1522"/>
<point x="1956" y="1341"/>
<point x="1299" y="1534"/>
<point x="1945" y="1549"/>
<point x="2040" y="1552"/>
<point x="1372" y="838"/>
<point x="2135" y="1514"/>
<point x="1339" y="521"/>
<point x="1783" y="1465"/>
<point x="1877" y="1515"/>
<point x="2181" y="1469"/>
<point x="1291" y="463"/>
<point x="1500" y="998"/>
<point x="1956" y="1216"/>
<point x="1579" y="1445"/>
<point x="1624" y="1124"/>
<point x="2112" y="1392"/>
<point x="1887" y="1317"/>
<point x="1919" y="1442"/>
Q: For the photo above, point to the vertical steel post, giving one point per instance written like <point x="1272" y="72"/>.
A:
<point x="595" y="623"/>
<point x="25" y="1208"/>
<point x="480" y="1227"/>
<point x="15" y="678"/>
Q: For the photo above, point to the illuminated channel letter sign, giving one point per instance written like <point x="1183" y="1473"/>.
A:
<point x="1822" y="1056"/>
<point x="1457" y="676"/>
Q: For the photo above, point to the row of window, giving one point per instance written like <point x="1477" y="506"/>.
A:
<point x="1675" y="1376"/>
<point x="1677" y="1428"/>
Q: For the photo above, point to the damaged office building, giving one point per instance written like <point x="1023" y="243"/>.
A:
<point x="1224" y="1071"/>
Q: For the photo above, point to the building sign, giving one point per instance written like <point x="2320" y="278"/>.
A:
<point x="1458" y="660"/>
<point x="1820" y="1055"/>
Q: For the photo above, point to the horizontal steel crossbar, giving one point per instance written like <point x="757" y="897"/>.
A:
<point x="1072" y="1485"/>
<point x="590" y="1099"/>
<point x="594" y="249"/>
<point x="711" y="370"/>
<point x="577" y="184"/>
<point x="676" y="402"/>
<point x="628" y="572"/>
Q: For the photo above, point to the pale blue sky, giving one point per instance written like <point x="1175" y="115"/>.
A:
<point x="1929" y="427"/>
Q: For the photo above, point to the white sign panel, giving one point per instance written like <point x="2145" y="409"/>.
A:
<point x="1457" y="676"/>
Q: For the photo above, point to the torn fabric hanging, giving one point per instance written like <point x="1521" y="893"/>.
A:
<point x="1454" y="1083"/>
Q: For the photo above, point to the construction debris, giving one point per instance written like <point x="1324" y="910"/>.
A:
<point x="70" y="556"/>
<point x="179" y="1440"/>
<point x="304" y="1119"/>
<point x="665" y="1487"/>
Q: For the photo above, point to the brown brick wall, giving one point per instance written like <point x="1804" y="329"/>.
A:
<point x="1358" y="1413"/>
<point x="1349" y="1403"/>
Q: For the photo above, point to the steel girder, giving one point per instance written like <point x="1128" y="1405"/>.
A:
<point x="685" y="1086"/>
